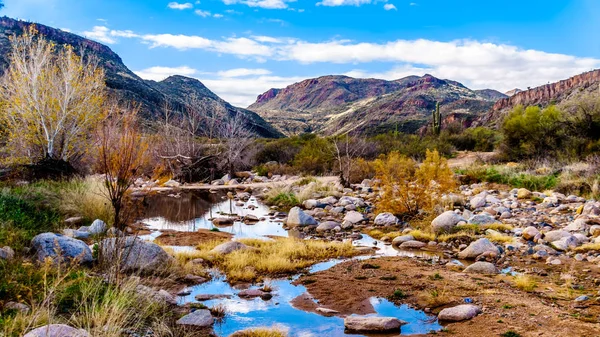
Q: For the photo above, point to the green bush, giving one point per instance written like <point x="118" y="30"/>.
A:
<point x="515" y="179"/>
<point x="284" y="199"/>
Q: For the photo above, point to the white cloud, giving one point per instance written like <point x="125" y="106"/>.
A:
<point x="100" y="34"/>
<point x="474" y="63"/>
<point x="218" y="16"/>
<point x="413" y="4"/>
<point x="335" y="3"/>
<point x="176" y="5"/>
<point x="242" y="72"/>
<point x="202" y="13"/>
<point x="267" y="4"/>
<point x="389" y="7"/>
<point x="160" y="73"/>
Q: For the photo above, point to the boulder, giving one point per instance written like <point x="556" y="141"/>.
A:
<point x="413" y="244"/>
<point x="565" y="243"/>
<point x="76" y="233"/>
<point x="523" y="193"/>
<point x="372" y="324"/>
<point x="459" y="313"/>
<point x="223" y="221"/>
<point x="7" y="253"/>
<point x="482" y="268"/>
<point x="354" y="217"/>
<point x="57" y="330"/>
<point x="135" y="255"/>
<point x="578" y="225"/>
<point x="229" y="247"/>
<point x="297" y="217"/>
<point x="530" y="233"/>
<point x="477" y="248"/>
<point x="556" y="235"/>
<point x="481" y="219"/>
<point x="478" y="201"/>
<point x="444" y="222"/>
<point x="401" y="239"/>
<point x="386" y="219"/>
<point x="51" y="245"/>
<point x="327" y="226"/>
<point x="98" y="227"/>
<point x="199" y="319"/>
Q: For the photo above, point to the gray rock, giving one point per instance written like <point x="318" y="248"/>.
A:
<point x="171" y="183"/>
<point x="98" y="227"/>
<point x="135" y="254"/>
<point x="297" y="217"/>
<point x="482" y="268"/>
<point x="20" y="307"/>
<point x="327" y="226"/>
<point x="459" y="313"/>
<point x="229" y="247"/>
<point x="386" y="219"/>
<point x="444" y="222"/>
<point x="413" y="244"/>
<point x="251" y="293"/>
<point x="565" y="243"/>
<point x="354" y="217"/>
<point x="530" y="233"/>
<point x="556" y="235"/>
<point x="478" y="201"/>
<point x="76" y="233"/>
<point x="57" y="330"/>
<point x="372" y="324"/>
<point x="199" y="318"/>
<point x="578" y="225"/>
<point x="482" y="219"/>
<point x="477" y="248"/>
<point x="7" y="253"/>
<point x="60" y="248"/>
<point x="401" y="239"/>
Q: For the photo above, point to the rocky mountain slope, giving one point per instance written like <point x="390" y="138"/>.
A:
<point x="126" y="85"/>
<point x="553" y="93"/>
<point x="340" y="104"/>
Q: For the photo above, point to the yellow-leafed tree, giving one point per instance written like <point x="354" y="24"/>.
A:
<point x="52" y="99"/>
<point x="408" y="188"/>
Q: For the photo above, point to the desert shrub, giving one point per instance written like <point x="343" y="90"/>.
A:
<point x="474" y="139"/>
<point x="281" y="150"/>
<point x="533" y="132"/>
<point x="408" y="189"/>
<point x="86" y="198"/>
<point x="412" y="146"/>
<point x="316" y="157"/>
<point x="509" y="176"/>
<point x="363" y="169"/>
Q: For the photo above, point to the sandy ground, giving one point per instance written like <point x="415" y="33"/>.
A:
<point x="178" y="238"/>
<point x="466" y="158"/>
<point x="548" y="311"/>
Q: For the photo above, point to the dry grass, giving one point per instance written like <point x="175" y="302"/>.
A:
<point x="378" y="234"/>
<point x="316" y="188"/>
<point x="274" y="257"/>
<point x="74" y="298"/>
<point x="438" y="297"/>
<point x="454" y="236"/>
<point x="86" y="198"/>
<point x="260" y="332"/>
<point x="421" y="235"/>
<point x="525" y="282"/>
<point x="183" y="266"/>
<point x="588" y="247"/>
<point x="500" y="238"/>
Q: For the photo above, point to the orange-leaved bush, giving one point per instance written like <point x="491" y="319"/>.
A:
<point x="409" y="189"/>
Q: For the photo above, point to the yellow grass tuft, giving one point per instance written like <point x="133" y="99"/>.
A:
<point x="260" y="332"/>
<point x="274" y="257"/>
<point x="588" y="247"/>
<point x="86" y="198"/>
<point x="500" y="238"/>
<point x="525" y="282"/>
<point x="421" y="235"/>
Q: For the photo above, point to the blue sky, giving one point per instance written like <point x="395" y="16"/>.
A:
<point x="241" y="48"/>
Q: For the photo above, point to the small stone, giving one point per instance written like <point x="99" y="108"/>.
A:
<point x="229" y="247"/>
<point x="57" y="330"/>
<point x="413" y="244"/>
<point x="482" y="268"/>
<point x="199" y="318"/>
<point x="372" y="324"/>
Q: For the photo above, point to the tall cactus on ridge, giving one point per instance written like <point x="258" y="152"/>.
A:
<point x="437" y="119"/>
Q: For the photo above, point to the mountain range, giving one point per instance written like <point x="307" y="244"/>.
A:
<point x="328" y="105"/>
<point x="339" y="104"/>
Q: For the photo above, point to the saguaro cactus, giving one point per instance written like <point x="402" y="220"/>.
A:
<point x="437" y="119"/>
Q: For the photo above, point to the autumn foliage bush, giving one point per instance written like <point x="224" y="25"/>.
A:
<point x="409" y="189"/>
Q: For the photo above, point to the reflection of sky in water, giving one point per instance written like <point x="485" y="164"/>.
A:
<point x="239" y="229"/>
<point x="243" y="314"/>
<point x="191" y="212"/>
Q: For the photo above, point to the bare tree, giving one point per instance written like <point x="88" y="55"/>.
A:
<point x="347" y="150"/>
<point x="235" y="139"/>
<point x="121" y="154"/>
